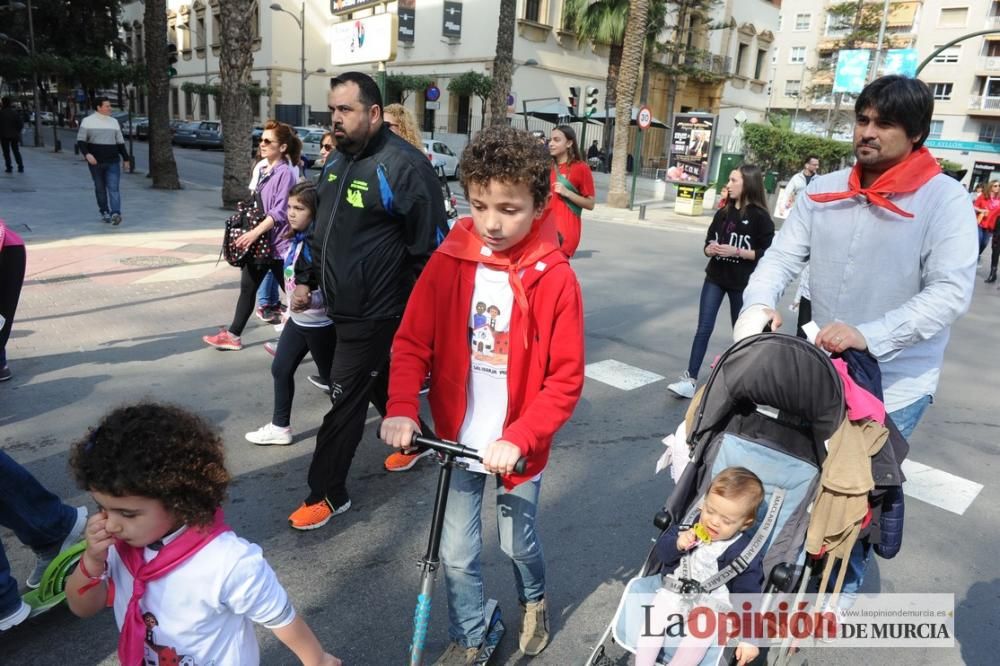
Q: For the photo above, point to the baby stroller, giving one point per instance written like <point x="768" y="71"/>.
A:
<point x="769" y="405"/>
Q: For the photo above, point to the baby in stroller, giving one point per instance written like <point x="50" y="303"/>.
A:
<point x="694" y="553"/>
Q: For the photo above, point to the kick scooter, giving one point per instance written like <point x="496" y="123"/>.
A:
<point x="430" y="562"/>
<point x="52" y="590"/>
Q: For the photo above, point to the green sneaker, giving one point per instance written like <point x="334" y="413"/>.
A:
<point x="534" y="636"/>
<point x="457" y="655"/>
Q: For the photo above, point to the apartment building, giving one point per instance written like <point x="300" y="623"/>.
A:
<point x="965" y="78"/>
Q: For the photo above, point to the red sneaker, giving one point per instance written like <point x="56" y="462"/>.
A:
<point x="223" y="340"/>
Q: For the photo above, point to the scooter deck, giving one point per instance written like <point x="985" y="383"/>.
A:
<point x="495" y="630"/>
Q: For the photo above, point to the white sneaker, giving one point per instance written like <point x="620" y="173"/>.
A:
<point x="683" y="387"/>
<point x="17" y="617"/>
<point x="270" y="434"/>
<point x="43" y="560"/>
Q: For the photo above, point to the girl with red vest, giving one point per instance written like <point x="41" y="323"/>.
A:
<point x="572" y="187"/>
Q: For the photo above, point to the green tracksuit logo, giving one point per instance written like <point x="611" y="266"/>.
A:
<point x="354" y="192"/>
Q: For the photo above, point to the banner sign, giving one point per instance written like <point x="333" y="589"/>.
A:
<point x="691" y="148"/>
<point x="852" y="71"/>
<point x="407" y="12"/>
<point x="370" y="39"/>
<point x="900" y="61"/>
<point x="451" y="24"/>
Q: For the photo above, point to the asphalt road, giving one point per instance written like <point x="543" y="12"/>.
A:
<point x="86" y="339"/>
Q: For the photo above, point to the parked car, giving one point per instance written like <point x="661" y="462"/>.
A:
<point x="209" y="134"/>
<point x="185" y="135"/>
<point x="142" y="128"/>
<point x="450" y="202"/>
<point x="46" y="117"/>
<point x="130" y="128"/>
<point x="441" y="155"/>
<point x="311" y="140"/>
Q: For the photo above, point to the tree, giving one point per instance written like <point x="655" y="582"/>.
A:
<point x="503" y="63"/>
<point x="779" y="149"/>
<point x="628" y="79"/>
<point x="399" y="86"/>
<point x="235" y="64"/>
<point x="162" y="167"/>
<point x="470" y="84"/>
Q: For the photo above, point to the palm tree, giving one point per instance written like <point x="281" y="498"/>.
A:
<point x="503" y="63"/>
<point x="235" y="63"/>
<point x="602" y="22"/>
<point x="628" y="78"/>
<point x="162" y="167"/>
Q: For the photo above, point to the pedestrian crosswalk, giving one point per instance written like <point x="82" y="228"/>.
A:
<point x="923" y="482"/>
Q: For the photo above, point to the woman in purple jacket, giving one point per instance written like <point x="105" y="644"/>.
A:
<point x="279" y="146"/>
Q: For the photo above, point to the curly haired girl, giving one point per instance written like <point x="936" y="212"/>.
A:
<point x="181" y="582"/>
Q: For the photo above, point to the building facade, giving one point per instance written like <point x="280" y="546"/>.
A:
<point x="965" y="78"/>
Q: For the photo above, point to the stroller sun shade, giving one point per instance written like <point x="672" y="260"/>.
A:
<point x="774" y="370"/>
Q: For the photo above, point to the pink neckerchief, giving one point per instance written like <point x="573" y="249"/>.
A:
<point x="171" y="556"/>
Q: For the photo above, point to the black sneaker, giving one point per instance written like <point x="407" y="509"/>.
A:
<point x="106" y="218"/>
<point x="20" y="169"/>
<point x="5" y="373"/>
<point x="116" y="219"/>
<point x="319" y="383"/>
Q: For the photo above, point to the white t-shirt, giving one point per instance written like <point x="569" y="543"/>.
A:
<point x="489" y="338"/>
<point x="202" y="612"/>
<point x="259" y="168"/>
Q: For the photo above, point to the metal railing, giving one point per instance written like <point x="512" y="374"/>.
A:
<point x="981" y="102"/>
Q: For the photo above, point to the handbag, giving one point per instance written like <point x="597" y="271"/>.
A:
<point x="248" y="215"/>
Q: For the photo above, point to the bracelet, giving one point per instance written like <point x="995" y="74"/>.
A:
<point x="94" y="580"/>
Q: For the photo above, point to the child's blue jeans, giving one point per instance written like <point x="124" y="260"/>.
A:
<point x="462" y="544"/>
<point x="38" y="518"/>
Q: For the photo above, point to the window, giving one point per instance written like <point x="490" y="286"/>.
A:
<point x="781" y="20"/>
<point x="797" y="55"/>
<point x="989" y="132"/>
<point x="216" y="29"/>
<point x="533" y="10"/>
<point x="774" y="56"/>
<point x="803" y="21"/>
<point x="942" y="91"/>
<point x="175" y="102"/>
<point x="991" y="48"/>
<point x="741" y="56"/>
<point x="758" y="70"/>
<point x="202" y="32"/>
<point x="953" y="17"/>
<point x="838" y="25"/>
<point x="793" y="87"/>
<point x="937" y="126"/>
<point x="203" y="105"/>
<point x="188" y="104"/>
<point x="950" y="54"/>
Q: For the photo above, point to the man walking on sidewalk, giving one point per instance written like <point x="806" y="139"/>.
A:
<point x="377" y="221"/>
<point x="101" y="142"/>
<point x="10" y="135"/>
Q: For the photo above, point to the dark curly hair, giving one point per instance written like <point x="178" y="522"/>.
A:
<point x="159" y="451"/>
<point x="509" y="155"/>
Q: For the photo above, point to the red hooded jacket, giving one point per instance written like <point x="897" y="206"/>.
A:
<point x="545" y="363"/>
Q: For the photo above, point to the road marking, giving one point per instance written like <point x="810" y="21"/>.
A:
<point x="937" y="487"/>
<point x="620" y="375"/>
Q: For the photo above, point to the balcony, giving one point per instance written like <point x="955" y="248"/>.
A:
<point x="981" y="105"/>
<point x="993" y="21"/>
<point x="989" y="63"/>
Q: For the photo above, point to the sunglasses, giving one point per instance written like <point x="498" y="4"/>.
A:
<point x="327" y="146"/>
<point x="266" y="142"/>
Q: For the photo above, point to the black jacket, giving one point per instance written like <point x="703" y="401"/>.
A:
<point x="10" y="124"/>
<point x="749" y="228"/>
<point x="376" y="225"/>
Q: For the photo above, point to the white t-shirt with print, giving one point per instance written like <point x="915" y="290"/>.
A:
<point x="202" y="612"/>
<point x="489" y="340"/>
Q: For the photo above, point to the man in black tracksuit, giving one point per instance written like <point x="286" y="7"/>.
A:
<point x="379" y="217"/>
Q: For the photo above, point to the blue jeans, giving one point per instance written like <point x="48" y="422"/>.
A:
<point x="106" y="176"/>
<point x="267" y="292"/>
<point x="708" y="308"/>
<point x="38" y="518"/>
<point x="462" y="544"/>
<point x="906" y="420"/>
<point x="985" y="236"/>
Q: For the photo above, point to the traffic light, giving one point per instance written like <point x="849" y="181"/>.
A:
<point x="590" y="102"/>
<point x="574" y="100"/>
<point x="171" y="59"/>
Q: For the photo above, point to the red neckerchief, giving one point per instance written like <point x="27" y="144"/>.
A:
<point x="907" y="176"/>
<point x="171" y="556"/>
<point x="465" y="244"/>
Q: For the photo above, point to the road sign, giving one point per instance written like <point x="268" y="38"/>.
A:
<point x="432" y="94"/>
<point x="644" y="118"/>
<point x="433" y="106"/>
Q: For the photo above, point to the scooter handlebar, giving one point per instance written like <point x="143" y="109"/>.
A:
<point x="459" y="450"/>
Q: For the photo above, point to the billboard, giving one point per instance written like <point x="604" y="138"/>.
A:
<point x="691" y="143"/>
<point x="852" y="71"/>
<point x="900" y="61"/>
<point x="370" y="39"/>
<point x="342" y="7"/>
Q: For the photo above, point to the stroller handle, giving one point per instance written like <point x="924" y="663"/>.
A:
<point x="459" y="450"/>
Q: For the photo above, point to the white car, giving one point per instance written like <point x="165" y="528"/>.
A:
<point x="442" y="156"/>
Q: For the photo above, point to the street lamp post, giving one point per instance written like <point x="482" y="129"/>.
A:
<point x="301" y="21"/>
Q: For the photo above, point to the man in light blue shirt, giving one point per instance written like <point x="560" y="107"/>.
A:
<point x="891" y="248"/>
